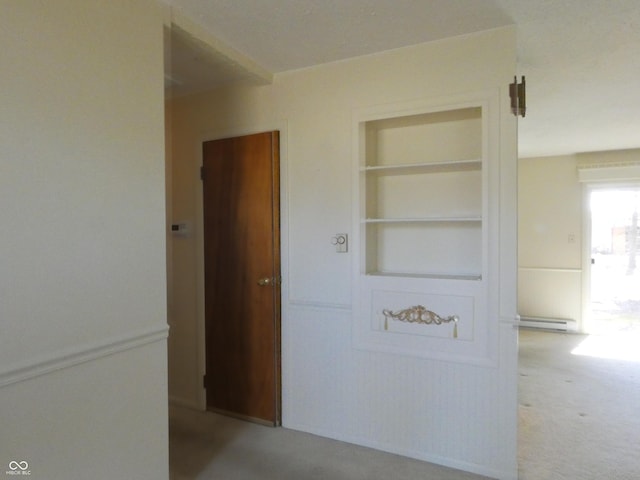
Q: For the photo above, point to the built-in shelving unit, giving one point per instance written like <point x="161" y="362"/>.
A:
<point x="423" y="210"/>
<point x="423" y="194"/>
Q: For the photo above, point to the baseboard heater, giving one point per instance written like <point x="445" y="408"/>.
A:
<point x="558" y="324"/>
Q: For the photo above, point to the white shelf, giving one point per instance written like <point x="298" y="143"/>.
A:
<point x="437" y="276"/>
<point x="425" y="220"/>
<point x="422" y="204"/>
<point x="430" y="167"/>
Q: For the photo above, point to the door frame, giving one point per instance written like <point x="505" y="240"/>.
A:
<point x="585" y="317"/>
<point x="587" y="188"/>
<point x="200" y="347"/>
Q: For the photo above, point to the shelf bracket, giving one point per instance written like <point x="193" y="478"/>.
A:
<point x="420" y="315"/>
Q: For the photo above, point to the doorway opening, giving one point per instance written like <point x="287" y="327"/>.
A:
<point x="615" y="264"/>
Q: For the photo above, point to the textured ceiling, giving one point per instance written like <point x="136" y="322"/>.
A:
<point x="581" y="57"/>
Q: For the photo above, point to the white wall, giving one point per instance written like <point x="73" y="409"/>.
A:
<point x="449" y="413"/>
<point x="553" y="269"/>
<point x="550" y="238"/>
<point x="82" y="283"/>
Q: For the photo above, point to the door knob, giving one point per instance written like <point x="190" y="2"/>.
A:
<point x="263" y="282"/>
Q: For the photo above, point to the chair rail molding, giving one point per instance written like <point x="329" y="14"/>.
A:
<point x="81" y="354"/>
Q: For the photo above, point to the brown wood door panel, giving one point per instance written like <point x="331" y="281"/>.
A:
<point x="242" y="318"/>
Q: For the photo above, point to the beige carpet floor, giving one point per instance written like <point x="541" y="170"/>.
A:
<point x="579" y="412"/>
<point x="207" y="446"/>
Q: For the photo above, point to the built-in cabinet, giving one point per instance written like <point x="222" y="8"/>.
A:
<point x="423" y="226"/>
<point x="423" y="194"/>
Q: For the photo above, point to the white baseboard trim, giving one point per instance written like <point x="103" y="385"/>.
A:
<point x="81" y="354"/>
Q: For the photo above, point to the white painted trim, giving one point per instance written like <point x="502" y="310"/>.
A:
<point x="418" y="106"/>
<point x="81" y="354"/>
<point x="584" y="322"/>
<point x="608" y="173"/>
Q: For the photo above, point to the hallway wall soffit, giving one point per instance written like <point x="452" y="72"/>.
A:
<point x="196" y="61"/>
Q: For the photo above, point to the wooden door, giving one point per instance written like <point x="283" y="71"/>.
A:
<point x="242" y="276"/>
